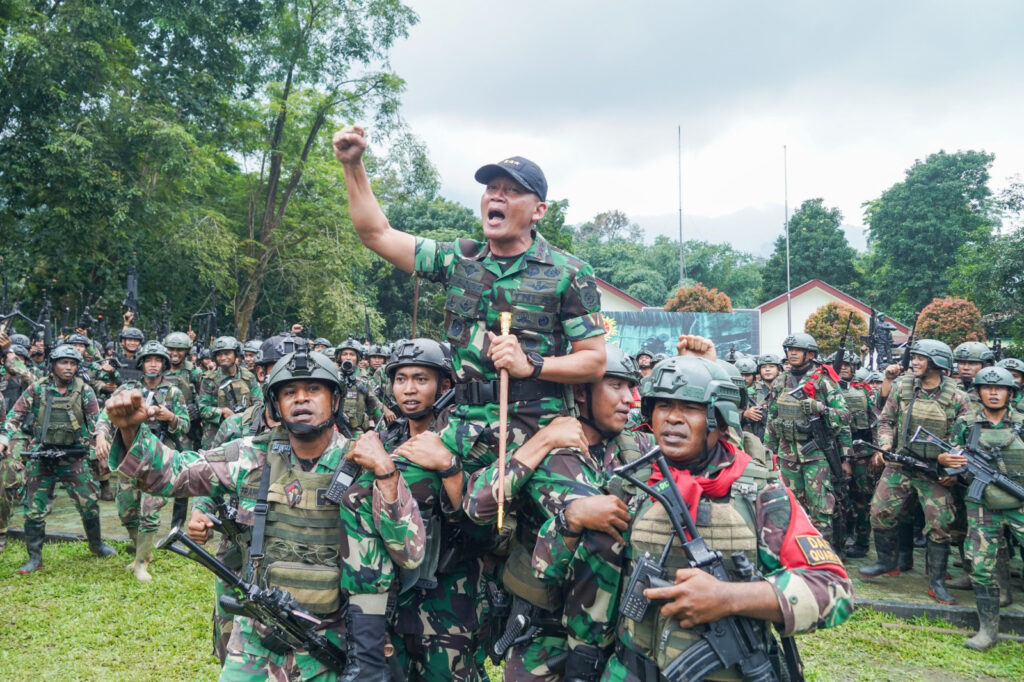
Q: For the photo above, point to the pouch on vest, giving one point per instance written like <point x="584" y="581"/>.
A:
<point x="519" y="579"/>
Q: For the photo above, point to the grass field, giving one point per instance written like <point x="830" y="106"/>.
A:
<point x="85" y="618"/>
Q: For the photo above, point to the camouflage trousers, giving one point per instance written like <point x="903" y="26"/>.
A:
<point x="861" y="490"/>
<point x="12" y="481"/>
<point x="616" y="671"/>
<point x="984" y="536"/>
<point x="438" y="631"/>
<point x="811" y="483"/>
<point x="137" y="509"/>
<point x="895" y="488"/>
<point x="529" y="661"/>
<point x="73" y="473"/>
<point x="248" y="660"/>
<point x="591" y="606"/>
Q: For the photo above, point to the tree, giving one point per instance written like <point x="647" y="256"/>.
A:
<point x="608" y="226"/>
<point x="917" y="227"/>
<point x="951" y="320"/>
<point x="699" y="299"/>
<point x="818" y="249"/>
<point x="828" y="322"/>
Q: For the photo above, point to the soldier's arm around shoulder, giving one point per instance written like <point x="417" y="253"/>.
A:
<point x="811" y="584"/>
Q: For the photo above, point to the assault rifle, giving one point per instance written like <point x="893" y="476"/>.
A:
<point x="979" y="466"/>
<point x="997" y="349"/>
<point x="131" y="287"/>
<point x="44" y="323"/>
<point x="229" y="392"/>
<point x="915" y="464"/>
<point x="164" y="325"/>
<point x="731" y="641"/>
<point x="56" y="453"/>
<point x="905" y="360"/>
<point x="840" y="355"/>
<point x="291" y="626"/>
<point x="211" y="323"/>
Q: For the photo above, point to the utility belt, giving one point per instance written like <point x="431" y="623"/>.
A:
<point x="636" y="663"/>
<point x="487" y="392"/>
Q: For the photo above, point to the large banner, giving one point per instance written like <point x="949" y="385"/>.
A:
<point x="658" y="330"/>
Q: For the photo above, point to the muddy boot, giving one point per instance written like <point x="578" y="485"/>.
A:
<point x="936" y="558"/>
<point x="905" y="544"/>
<point x="885" y="548"/>
<point x="964" y="581"/>
<point x="859" y="549"/>
<point x="1003" y="577"/>
<point x="35" y="533"/>
<point x="106" y="494"/>
<point x="3" y="541"/>
<point x="178" y="512"/>
<point x="365" y="658"/>
<point x="133" y="542"/>
<point x="988" y="619"/>
<point x="143" y="555"/>
<point x="96" y="544"/>
<point x="584" y="664"/>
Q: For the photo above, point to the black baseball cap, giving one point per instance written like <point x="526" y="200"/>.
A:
<point x="525" y="172"/>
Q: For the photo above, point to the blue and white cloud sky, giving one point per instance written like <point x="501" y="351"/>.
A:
<point x="593" y="90"/>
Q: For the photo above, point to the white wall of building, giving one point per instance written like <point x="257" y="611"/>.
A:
<point x="773" y="322"/>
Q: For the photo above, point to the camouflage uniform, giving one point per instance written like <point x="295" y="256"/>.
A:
<point x="375" y="535"/>
<point x="554" y="301"/>
<point x="758" y="394"/>
<point x="763" y="520"/>
<point x="936" y="410"/>
<point x="187" y="378"/>
<point x="804" y="468"/>
<point x="137" y="510"/>
<point x="590" y="574"/>
<point x="360" y="404"/>
<point x="859" y="399"/>
<point x="218" y="390"/>
<point x="41" y="473"/>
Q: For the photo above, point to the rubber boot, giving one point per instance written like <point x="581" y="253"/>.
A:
<point x="35" y="533"/>
<point x="905" y="544"/>
<point x="885" y="549"/>
<point x="585" y="664"/>
<point x="178" y="512"/>
<point x="964" y="582"/>
<point x="988" y="619"/>
<point x="3" y="541"/>
<point x="859" y="549"/>
<point x="936" y="559"/>
<point x="1003" y="577"/>
<point x="365" y="640"/>
<point x="96" y="544"/>
<point x="106" y="494"/>
<point x="143" y="555"/>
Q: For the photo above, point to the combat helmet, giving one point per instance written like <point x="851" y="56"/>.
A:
<point x="862" y="375"/>
<point x="736" y="376"/>
<point x="769" y="359"/>
<point x="619" y="363"/>
<point x="747" y="365"/>
<point x="20" y="350"/>
<point x="420" y="353"/>
<point x="132" y="333"/>
<point x="974" y="351"/>
<point x="65" y="352"/>
<point x="305" y="366"/>
<point x="801" y="341"/>
<point x="350" y="344"/>
<point x="178" y="340"/>
<point x="1012" y="364"/>
<point x="321" y="341"/>
<point x="277" y="346"/>
<point x="996" y="376"/>
<point x="691" y="379"/>
<point x="225" y="343"/>
<point x="76" y="338"/>
<point x="252" y="346"/>
<point x="377" y="350"/>
<point x="936" y="351"/>
<point x="20" y="340"/>
<point x="153" y="348"/>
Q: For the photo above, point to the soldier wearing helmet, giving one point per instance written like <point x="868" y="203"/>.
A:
<point x="801" y="393"/>
<point x="993" y="428"/>
<point x="360" y="404"/>
<point x="169" y="422"/>
<point x="1016" y="369"/>
<point x="923" y="397"/>
<point x="321" y="344"/>
<point x="379" y="383"/>
<point x="645" y="361"/>
<point x="756" y="409"/>
<point x="860" y="402"/>
<point x="131" y="339"/>
<point x="61" y="409"/>
<point x="249" y="352"/>
<point x="325" y="550"/>
<point x="970" y="357"/>
<point x="227" y="390"/>
<point x="555" y="484"/>
<point x="732" y="494"/>
<point x="187" y="378"/>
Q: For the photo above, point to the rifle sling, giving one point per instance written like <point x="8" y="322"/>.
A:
<point x="259" y="524"/>
<point x="46" y="412"/>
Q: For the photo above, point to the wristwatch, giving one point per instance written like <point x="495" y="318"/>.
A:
<point x="562" y="526"/>
<point x="537" y="360"/>
<point x="456" y="467"/>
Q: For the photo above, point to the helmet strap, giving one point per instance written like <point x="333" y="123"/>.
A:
<point x="711" y="420"/>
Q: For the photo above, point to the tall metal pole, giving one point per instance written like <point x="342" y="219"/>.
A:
<point x="682" y="262"/>
<point x="789" y="286"/>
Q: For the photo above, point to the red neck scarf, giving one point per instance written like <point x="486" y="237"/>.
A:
<point x="692" y="487"/>
<point x="810" y="390"/>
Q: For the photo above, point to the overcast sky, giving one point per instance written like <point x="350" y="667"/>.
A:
<point x="593" y="92"/>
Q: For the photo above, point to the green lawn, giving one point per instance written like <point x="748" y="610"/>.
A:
<point x="85" y="618"/>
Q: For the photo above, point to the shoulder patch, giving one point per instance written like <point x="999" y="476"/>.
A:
<point x="590" y="297"/>
<point x="816" y="550"/>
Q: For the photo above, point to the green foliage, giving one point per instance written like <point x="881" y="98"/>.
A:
<point x="818" y="249"/>
<point x="917" y="227"/>
<point x="699" y="299"/>
<point x="827" y="323"/>
<point x="951" y="320"/>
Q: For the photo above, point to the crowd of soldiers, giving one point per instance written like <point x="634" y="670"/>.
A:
<point x="521" y="490"/>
